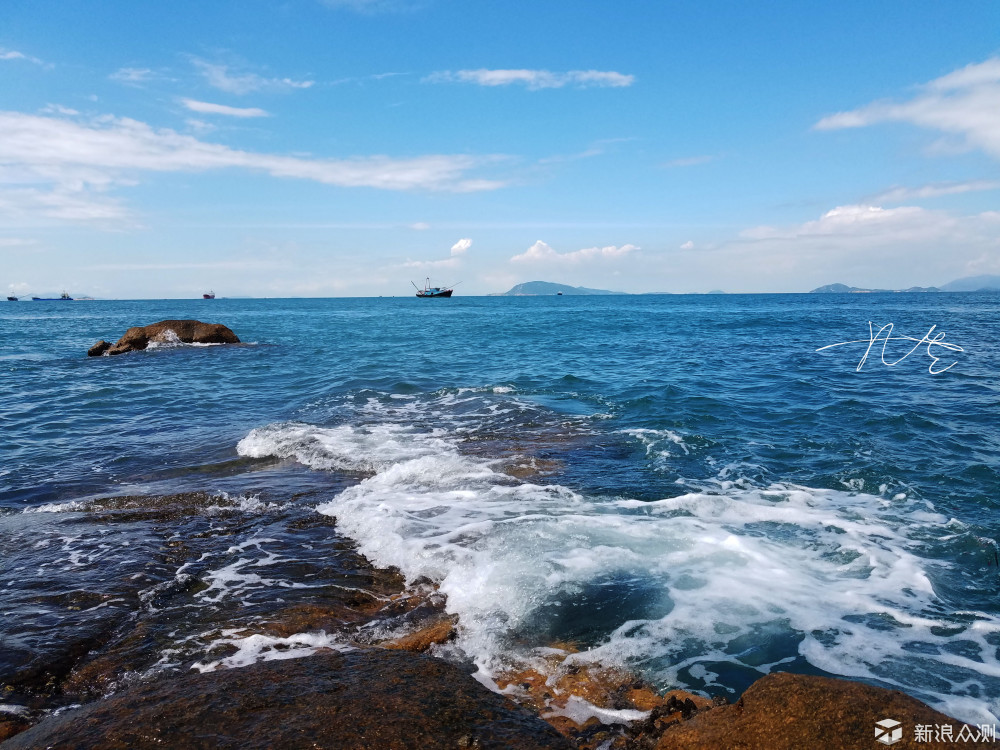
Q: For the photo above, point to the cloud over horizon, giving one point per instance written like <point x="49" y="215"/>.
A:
<point x="541" y="252"/>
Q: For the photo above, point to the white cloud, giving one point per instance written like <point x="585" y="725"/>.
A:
<point x="534" y="79"/>
<point x="220" y="76"/>
<point x="461" y="246"/>
<point x="899" y="194"/>
<point x="75" y="160"/>
<point x="58" y="109"/>
<point x="689" y="245"/>
<point x="859" y="245"/>
<point x="133" y="75"/>
<point x="12" y="54"/>
<point x="420" y="226"/>
<point x="540" y="252"/>
<point x="222" y="109"/>
<point x="964" y="104"/>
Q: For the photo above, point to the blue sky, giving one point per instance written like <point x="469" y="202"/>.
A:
<point x="346" y="147"/>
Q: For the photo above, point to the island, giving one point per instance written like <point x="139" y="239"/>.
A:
<point x="541" y="288"/>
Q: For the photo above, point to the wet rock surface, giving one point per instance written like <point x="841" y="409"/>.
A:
<point x="138" y="338"/>
<point x="136" y="595"/>
<point x="788" y="711"/>
<point x="357" y="700"/>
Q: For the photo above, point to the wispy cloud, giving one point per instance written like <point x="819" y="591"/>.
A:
<point x="76" y="161"/>
<point x="460" y="247"/>
<point x="13" y="54"/>
<point x="58" y="109"/>
<point x="534" y="79"/>
<point x="541" y="252"/>
<point x="134" y="76"/>
<point x="964" y="104"/>
<point x="900" y="194"/>
<point x="224" y="78"/>
<point x="222" y="109"/>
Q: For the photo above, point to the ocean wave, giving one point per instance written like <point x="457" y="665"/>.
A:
<point x="737" y="577"/>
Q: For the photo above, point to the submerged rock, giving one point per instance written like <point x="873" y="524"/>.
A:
<point x="356" y="700"/>
<point x="166" y="332"/>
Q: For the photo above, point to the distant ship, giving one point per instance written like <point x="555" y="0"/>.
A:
<point x="433" y="291"/>
<point x="208" y="295"/>
<point x="63" y="296"/>
<point x="11" y="299"/>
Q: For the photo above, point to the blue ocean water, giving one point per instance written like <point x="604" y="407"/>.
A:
<point x="681" y="485"/>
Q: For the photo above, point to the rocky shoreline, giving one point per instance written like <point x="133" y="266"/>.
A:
<point x="349" y="661"/>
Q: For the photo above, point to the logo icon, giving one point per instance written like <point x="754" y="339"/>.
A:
<point x="888" y="731"/>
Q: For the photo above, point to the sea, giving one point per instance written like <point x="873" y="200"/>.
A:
<point x="698" y="489"/>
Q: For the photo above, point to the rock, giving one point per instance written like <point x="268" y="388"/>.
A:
<point x="99" y="348"/>
<point x="786" y="711"/>
<point x="354" y="701"/>
<point x="440" y="631"/>
<point x="165" y="332"/>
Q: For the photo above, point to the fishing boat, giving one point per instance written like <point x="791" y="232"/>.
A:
<point x="64" y="297"/>
<point x="208" y="295"/>
<point x="11" y="299"/>
<point x="433" y="291"/>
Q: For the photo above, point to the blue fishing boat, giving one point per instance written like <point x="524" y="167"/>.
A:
<point x="433" y="291"/>
<point x="62" y="297"/>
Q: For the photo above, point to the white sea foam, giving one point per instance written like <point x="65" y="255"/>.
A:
<point x="259" y="647"/>
<point x="346" y="448"/>
<point x="733" y="574"/>
<point x="72" y="506"/>
<point x="580" y="711"/>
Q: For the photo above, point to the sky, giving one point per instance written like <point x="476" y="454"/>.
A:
<point x="318" y="148"/>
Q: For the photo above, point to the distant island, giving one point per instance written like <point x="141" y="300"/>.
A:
<point x="974" y="284"/>
<point x="541" y="288"/>
<point x="966" y="284"/>
<point x="844" y="289"/>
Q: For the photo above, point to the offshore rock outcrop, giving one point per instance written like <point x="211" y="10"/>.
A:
<point x="138" y="338"/>
<point x="355" y="701"/>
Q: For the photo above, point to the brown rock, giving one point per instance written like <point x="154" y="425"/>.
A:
<point x="353" y="701"/>
<point x="167" y="331"/>
<point x="440" y="631"/>
<point x="11" y="725"/>
<point x="787" y="711"/>
<point x="99" y="348"/>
